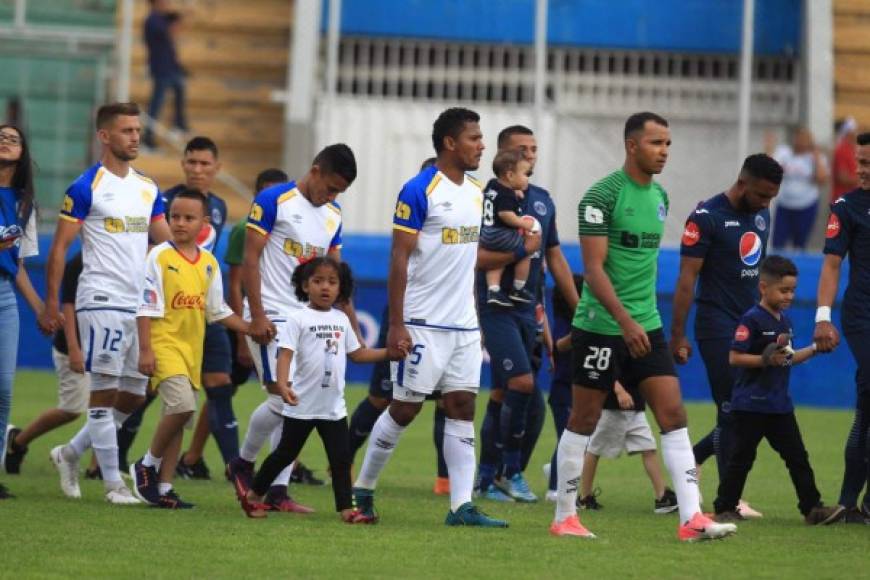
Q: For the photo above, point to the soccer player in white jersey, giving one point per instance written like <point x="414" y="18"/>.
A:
<point x="115" y="208"/>
<point x="431" y="303"/>
<point x="288" y="224"/>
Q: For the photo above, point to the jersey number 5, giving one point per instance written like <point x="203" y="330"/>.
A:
<point x="598" y="358"/>
<point x="417" y="354"/>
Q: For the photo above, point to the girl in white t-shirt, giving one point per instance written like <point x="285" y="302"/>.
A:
<point x="318" y="339"/>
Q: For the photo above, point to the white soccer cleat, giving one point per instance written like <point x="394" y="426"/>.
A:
<point x="700" y="527"/>
<point x="121" y="495"/>
<point x="69" y="473"/>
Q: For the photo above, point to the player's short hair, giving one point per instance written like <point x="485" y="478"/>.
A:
<point x="428" y="162"/>
<point x="506" y="161"/>
<point x="450" y="123"/>
<point x="107" y="113"/>
<point x="271" y="175"/>
<point x="200" y="143"/>
<point x="188" y="193"/>
<point x="337" y="159"/>
<point x="561" y="308"/>
<point x="863" y="139"/>
<point x="637" y="122"/>
<point x="508" y="132"/>
<point x="774" y="268"/>
<point x="763" y="166"/>
<point x="305" y="271"/>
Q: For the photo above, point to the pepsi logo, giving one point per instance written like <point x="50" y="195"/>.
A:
<point x="833" y="228"/>
<point x="741" y="334"/>
<point x="692" y="234"/>
<point x="750" y="248"/>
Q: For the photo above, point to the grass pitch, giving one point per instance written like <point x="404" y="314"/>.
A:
<point x="46" y="535"/>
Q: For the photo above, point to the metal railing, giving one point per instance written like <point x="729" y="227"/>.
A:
<point x="579" y="80"/>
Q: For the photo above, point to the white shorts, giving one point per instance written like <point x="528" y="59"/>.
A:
<point x="440" y="360"/>
<point x="73" y="393"/>
<point x="110" y="342"/>
<point x="266" y="355"/>
<point x="619" y="431"/>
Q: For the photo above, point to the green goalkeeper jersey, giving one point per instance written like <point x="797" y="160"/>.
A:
<point x="632" y="216"/>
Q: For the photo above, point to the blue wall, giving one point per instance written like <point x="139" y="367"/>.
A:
<point x="825" y="381"/>
<point x="678" y="25"/>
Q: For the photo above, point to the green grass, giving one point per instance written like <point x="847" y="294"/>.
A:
<point x="46" y="535"/>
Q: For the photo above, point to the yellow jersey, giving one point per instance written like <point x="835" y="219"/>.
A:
<point x="180" y="296"/>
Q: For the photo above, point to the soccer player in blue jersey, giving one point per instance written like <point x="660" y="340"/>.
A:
<point x="848" y="234"/>
<point x="724" y="241"/>
<point x="430" y="290"/>
<point x="510" y="333"/>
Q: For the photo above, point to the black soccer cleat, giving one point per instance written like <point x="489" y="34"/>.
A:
<point x="590" y="502"/>
<point x="522" y="296"/>
<point x="145" y="485"/>
<point x="498" y="298"/>
<point x="172" y="501"/>
<point x="301" y="474"/>
<point x="14" y="453"/>
<point x="198" y="470"/>
<point x="667" y="503"/>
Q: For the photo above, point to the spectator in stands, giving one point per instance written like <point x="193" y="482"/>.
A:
<point x="17" y="241"/>
<point x="161" y="31"/>
<point x="805" y="172"/>
<point x="844" y="170"/>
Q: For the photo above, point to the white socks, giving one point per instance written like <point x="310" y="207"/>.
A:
<point x="569" y="466"/>
<point x="263" y="422"/>
<point x="384" y="436"/>
<point x="101" y="427"/>
<point x="459" y="457"/>
<point x="80" y="443"/>
<point x="151" y="461"/>
<point x="283" y="477"/>
<point x="680" y="461"/>
<point x="164" y="488"/>
<point x="119" y="417"/>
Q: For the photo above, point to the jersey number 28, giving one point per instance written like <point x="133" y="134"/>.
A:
<point x="598" y="358"/>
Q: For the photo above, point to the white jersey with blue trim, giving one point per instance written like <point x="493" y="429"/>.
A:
<point x="296" y="231"/>
<point x="115" y="213"/>
<point x="446" y="218"/>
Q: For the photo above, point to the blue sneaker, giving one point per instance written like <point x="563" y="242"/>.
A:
<point x="517" y="487"/>
<point x="364" y="500"/>
<point x="494" y="493"/>
<point x="468" y="514"/>
<point x="145" y="483"/>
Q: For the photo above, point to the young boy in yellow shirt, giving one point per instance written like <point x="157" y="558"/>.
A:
<point x="182" y="291"/>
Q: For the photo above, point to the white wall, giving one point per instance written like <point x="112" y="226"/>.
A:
<point x="391" y="138"/>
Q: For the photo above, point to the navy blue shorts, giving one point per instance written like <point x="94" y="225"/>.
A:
<point x="217" y="354"/>
<point x="500" y="239"/>
<point x="509" y="340"/>
<point x="720" y="374"/>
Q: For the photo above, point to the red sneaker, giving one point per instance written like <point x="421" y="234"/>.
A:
<point x="700" y="527"/>
<point x="253" y="509"/>
<point x="571" y="526"/>
<point x="288" y="505"/>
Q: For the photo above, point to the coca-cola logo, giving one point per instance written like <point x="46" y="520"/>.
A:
<point x="188" y="301"/>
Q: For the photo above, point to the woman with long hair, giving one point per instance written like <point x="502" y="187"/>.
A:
<point x="18" y="240"/>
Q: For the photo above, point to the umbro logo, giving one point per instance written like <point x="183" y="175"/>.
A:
<point x="296" y="218"/>
<point x="385" y="445"/>
<point x="172" y="268"/>
<point x="447" y="206"/>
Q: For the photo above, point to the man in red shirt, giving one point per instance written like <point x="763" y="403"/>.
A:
<point x="844" y="174"/>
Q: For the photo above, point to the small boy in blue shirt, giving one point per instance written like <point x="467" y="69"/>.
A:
<point x="761" y="406"/>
